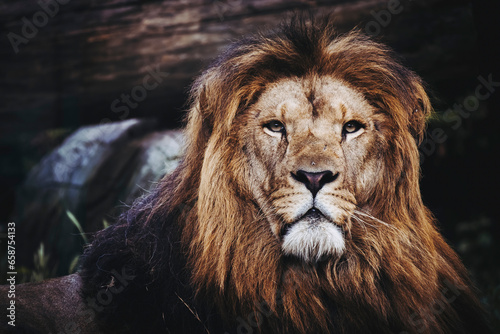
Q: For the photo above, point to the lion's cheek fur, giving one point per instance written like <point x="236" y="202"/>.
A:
<point x="228" y="226"/>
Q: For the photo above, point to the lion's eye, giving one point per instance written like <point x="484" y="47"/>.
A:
<point x="275" y="126"/>
<point x="351" y="127"/>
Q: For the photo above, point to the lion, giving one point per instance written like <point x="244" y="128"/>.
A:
<point x="296" y="207"/>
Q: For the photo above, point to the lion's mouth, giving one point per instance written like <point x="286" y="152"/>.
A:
<point x="312" y="237"/>
<point x="312" y="215"/>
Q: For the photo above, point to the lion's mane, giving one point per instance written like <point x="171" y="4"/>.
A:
<point x="203" y="258"/>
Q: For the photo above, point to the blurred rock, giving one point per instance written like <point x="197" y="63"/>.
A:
<point x="95" y="170"/>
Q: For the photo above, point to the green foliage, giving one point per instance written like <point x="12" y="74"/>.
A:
<point x="41" y="259"/>
<point x="41" y="270"/>
<point x="78" y="226"/>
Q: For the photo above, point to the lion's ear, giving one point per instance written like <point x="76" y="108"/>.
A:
<point x="199" y="125"/>
<point x="420" y="112"/>
<point x="203" y="110"/>
<point x="217" y="97"/>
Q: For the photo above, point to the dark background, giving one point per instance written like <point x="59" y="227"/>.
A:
<point x="91" y="52"/>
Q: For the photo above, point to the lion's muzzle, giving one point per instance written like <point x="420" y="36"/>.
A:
<point x="313" y="237"/>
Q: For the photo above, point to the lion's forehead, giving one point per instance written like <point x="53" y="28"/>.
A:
<point x="326" y="98"/>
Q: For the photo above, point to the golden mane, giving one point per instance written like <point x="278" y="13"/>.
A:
<point x="202" y="229"/>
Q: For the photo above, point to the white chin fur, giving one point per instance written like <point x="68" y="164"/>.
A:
<point x="313" y="240"/>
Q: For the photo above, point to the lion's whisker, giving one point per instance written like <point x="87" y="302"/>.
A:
<point x="271" y="211"/>
<point x="193" y="312"/>
<point x="371" y="217"/>
<point x="361" y="222"/>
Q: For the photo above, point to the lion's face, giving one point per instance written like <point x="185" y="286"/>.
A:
<point x="311" y="145"/>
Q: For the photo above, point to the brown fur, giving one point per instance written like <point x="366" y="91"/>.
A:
<point x="396" y="273"/>
<point x="389" y="277"/>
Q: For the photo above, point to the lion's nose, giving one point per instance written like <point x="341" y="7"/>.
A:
<point x="314" y="181"/>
